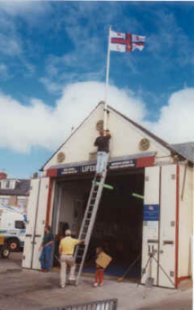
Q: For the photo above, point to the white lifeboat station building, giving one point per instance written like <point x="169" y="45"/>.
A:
<point x="145" y="215"/>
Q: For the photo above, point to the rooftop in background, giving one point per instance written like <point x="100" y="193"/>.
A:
<point x="185" y="149"/>
<point x="21" y="188"/>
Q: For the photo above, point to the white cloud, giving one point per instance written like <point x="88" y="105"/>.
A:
<point x="24" y="8"/>
<point x="22" y="127"/>
<point x="9" y="46"/>
<point x="175" y="123"/>
<point x="36" y="124"/>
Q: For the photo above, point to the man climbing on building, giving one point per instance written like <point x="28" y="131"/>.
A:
<point x="66" y="250"/>
<point x="102" y="143"/>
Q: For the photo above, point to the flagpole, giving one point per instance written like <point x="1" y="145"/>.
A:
<point x="107" y="81"/>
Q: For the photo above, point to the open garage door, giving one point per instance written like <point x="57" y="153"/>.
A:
<point x="151" y="225"/>
<point x="37" y="207"/>
<point x="159" y="262"/>
<point x="31" y="220"/>
<point x="168" y="224"/>
<point x="40" y="220"/>
<point x="118" y="225"/>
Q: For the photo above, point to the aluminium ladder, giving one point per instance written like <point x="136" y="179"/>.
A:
<point x="88" y="222"/>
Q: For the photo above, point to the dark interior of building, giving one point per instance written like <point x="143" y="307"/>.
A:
<point x="118" y="226"/>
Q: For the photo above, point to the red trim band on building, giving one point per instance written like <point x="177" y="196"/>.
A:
<point x="113" y="165"/>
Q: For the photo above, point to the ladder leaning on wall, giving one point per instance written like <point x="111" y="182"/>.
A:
<point x="88" y="222"/>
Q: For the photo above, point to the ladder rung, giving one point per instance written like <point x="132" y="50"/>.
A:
<point x="79" y="254"/>
<point x="80" y="250"/>
<point x="88" y="222"/>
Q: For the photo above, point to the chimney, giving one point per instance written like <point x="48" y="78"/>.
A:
<point x="3" y="175"/>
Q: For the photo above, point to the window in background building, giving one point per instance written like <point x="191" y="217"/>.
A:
<point x="7" y="184"/>
<point x="20" y="225"/>
<point x="4" y="201"/>
<point x="22" y="202"/>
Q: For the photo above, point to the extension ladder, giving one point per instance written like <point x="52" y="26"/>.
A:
<point x="88" y="222"/>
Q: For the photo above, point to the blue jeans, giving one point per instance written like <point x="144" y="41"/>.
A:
<point x="102" y="159"/>
<point x="46" y="257"/>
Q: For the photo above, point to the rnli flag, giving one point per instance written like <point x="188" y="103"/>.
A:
<point x="126" y="42"/>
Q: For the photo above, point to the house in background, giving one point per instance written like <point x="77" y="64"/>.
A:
<point x="14" y="192"/>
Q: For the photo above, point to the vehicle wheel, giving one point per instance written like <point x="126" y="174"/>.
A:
<point x="5" y="252"/>
<point x="13" y="244"/>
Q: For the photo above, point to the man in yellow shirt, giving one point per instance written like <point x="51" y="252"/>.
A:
<point x="66" y="251"/>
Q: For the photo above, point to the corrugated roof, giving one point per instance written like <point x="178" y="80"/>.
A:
<point x="185" y="149"/>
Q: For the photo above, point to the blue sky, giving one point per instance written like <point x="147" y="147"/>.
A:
<point x="52" y="72"/>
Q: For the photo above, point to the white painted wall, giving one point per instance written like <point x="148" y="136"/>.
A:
<point x="185" y="221"/>
<point x="81" y="143"/>
<point x="8" y="183"/>
<point x="125" y="139"/>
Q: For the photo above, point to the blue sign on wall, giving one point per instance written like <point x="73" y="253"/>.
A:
<point x="151" y="212"/>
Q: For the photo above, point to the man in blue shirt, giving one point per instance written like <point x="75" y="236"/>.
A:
<point x="47" y="249"/>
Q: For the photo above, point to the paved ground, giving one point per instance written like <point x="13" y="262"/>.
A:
<point x="26" y="290"/>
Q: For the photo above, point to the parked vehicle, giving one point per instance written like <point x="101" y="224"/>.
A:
<point x="4" y="248"/>
<point x="12" y="227"/>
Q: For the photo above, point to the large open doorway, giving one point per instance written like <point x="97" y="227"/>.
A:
<point x="118" y="226"/>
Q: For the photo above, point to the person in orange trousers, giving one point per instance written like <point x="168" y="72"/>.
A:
<point x="99" y="274"/>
